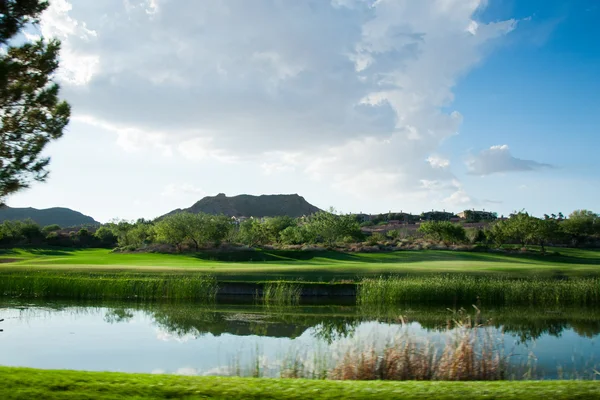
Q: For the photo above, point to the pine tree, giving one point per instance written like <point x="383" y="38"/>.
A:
<point x="31" y="114"/>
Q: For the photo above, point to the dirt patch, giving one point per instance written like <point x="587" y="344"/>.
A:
<point x="8" y="260"/>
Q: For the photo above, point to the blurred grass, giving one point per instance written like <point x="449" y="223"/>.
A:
<point x="25" y="383"/>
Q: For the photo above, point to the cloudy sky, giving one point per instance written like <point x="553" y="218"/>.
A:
<point x="365" y="105"/>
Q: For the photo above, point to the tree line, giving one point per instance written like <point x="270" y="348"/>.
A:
<point x="191" y="232"/>
<point x="582" y="227"/>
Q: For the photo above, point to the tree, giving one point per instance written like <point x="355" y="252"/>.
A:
<point x="545" y="230"/>
<point x="276" y="225"/>
<point x="84" y="237"/>
<point x="581" y="224"/>
<point x="199" y="229"/>
<point x="174" y="229"/>
<point x="31" y="114"/>
<point x="328" y="227"/>
<point x="50" y="228"/>
<point x="521" y="228"/>
<point x="294" y="235"/>
<point x="254" y="233"/>
<point x="497" y="233"/>
<point x="443" y="231"/>
<point x="105" y="236"/>
<point x="214" y="228"/>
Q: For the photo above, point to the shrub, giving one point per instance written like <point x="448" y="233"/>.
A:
<point x="375" y="239"/>
<point x="50" y="228"/>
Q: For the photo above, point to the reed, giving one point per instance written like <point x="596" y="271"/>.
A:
<point x="281" y="293"/>
<point x="465" y="289"/>
<point x="98" y="286"/>
<point x="471" y="351"/>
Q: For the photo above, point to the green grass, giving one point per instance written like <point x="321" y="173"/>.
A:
<point x="375" y="294"/>
<point x="281" y="293"/>
<point x="102" y="286"/>
<point x="23" y="383"/>
<point x="310" y="265"/>
<point x="423" y="276"/>
<point x="465" y="289"/>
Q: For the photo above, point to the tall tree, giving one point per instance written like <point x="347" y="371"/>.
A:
<point x="31" y="114"/>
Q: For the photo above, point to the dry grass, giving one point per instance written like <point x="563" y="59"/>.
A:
<point x="471" y="353"/>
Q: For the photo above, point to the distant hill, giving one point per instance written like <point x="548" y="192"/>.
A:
<point x="245" y="205"/>
<point x="64" y="217"/>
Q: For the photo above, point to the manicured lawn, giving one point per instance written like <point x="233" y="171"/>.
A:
<point x="22" y="383"/>
<point x="310" y="265"/>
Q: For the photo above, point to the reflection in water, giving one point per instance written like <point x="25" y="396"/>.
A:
<point x="170" y="337"/>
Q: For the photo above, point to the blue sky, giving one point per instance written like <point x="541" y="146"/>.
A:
<point x="362" y="105"/>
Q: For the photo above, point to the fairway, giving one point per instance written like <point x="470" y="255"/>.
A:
<point x="308" y="265"/>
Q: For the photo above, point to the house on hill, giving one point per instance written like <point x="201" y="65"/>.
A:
<point x="477" y="216"/>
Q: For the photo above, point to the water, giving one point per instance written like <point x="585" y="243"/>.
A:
<point x="220" y="339"/>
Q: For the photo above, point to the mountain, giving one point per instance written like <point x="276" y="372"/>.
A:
<point x="64" y="217"/>
<point x="245" y="205"/>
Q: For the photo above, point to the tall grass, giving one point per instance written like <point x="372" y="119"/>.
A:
<point x="471" y="351"/>
<point x="98" y="286"/>
<point x="281" y="293"/>
<point x="465" y="289"/>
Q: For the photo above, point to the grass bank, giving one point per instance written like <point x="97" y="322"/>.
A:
<point x="103" y="286"/>
<point x="445" y="290"/>
<point x="465" y="289"/>
<point x="22" y="383"/>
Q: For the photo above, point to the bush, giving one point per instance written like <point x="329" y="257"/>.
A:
<point x="443" y="231"/>
<point x="105" y="237"/>
<point x="50" y="228"/>
<point x="476" y="235"/>
<point x="375" y="239"/>
<point x="393" y="234"/>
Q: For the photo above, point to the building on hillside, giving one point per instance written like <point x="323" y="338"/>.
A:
<point x="239" y="220"/>
<point x="477" y="216"/>
<point x="436" y="216"/>
<point x="360" y="217"/>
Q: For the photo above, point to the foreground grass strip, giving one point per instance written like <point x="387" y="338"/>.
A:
<point x="24" y="383"/>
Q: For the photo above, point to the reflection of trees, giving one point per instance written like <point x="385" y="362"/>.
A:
<point x="325" y="322"/>
<point x="529" y="324"/>
<point x="526" y="324"/>
<point x="275" y="322"/>
<point x="587" y="329"/>
<point x="331" y="329"/>
<point x="118" y="315"/>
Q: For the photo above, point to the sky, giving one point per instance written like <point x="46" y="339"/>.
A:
<point x="363" y="105"/>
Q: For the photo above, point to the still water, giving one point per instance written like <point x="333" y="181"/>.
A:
<point x="218" y="339"/>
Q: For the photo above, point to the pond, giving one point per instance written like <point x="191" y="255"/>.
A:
<point x="226" y="339"/>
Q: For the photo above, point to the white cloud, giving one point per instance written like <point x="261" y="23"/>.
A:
<point x="438" y="162"/>
<point x="353" y="92"/>
<point x="77" y="65"/>
<point x="174" y="189"/>
<point x="498" y="159"/>
<point x="458" y="198"/>
<point x="172" y="337"/>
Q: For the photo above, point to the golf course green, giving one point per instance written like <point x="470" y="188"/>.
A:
<point x="313" y="266"/>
